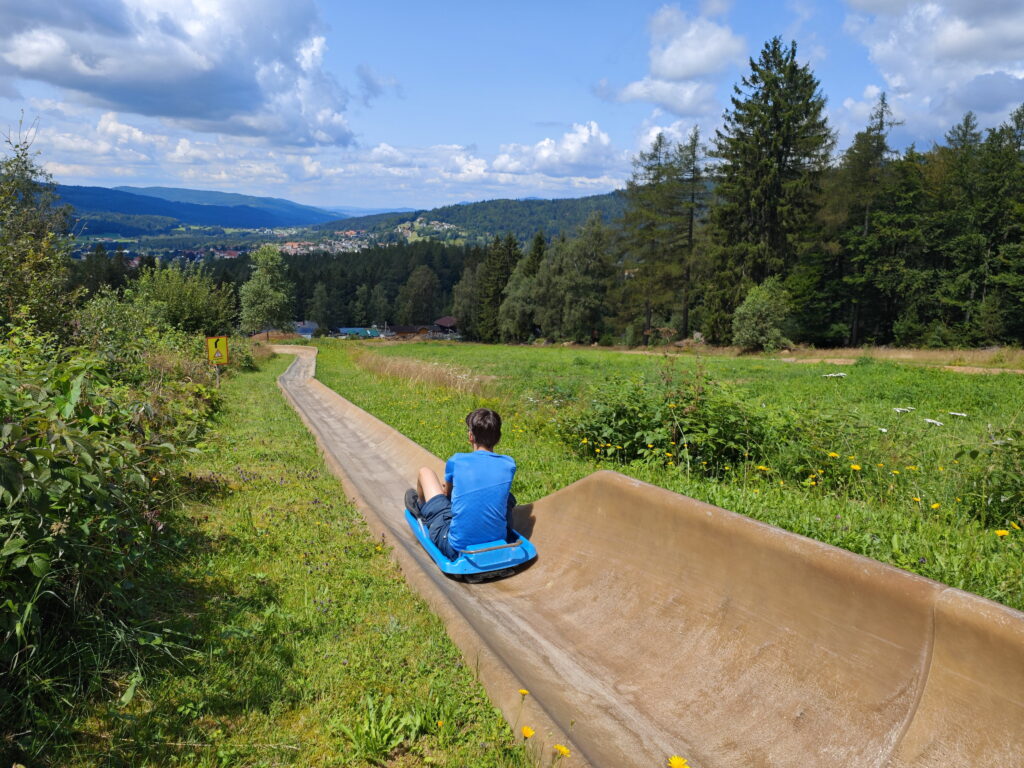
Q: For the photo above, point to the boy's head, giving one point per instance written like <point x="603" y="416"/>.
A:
<point x="484" y="427"/>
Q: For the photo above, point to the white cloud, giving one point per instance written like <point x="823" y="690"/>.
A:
<point x="685" y="55"/>
<point x="686" y="98"/>
<point x="941" y="58"/>
<point x="683" y="48"/>
<point x="245" y="68"/>
<point x="584" y="149"/>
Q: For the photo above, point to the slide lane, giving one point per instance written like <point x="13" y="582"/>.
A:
<point x="654" y="624"/>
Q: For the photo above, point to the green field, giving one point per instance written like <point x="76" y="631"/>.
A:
<point x="912" y="495"/>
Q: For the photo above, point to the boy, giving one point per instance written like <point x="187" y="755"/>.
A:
<point x="474" y="505"/>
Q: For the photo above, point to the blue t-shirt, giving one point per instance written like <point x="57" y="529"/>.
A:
<point x="480" y="484"/>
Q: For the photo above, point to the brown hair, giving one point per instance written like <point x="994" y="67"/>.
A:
<point x="485" y="425"/>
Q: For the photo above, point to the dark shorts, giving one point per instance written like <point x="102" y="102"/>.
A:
<point x="436" y="514"/>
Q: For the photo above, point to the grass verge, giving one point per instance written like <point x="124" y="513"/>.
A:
<point x="298" y="642"/>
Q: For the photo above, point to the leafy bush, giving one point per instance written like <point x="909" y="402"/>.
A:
<point x="684" y="419"/>
<point x="757" y="323"/>
<point x="85" y="468"/>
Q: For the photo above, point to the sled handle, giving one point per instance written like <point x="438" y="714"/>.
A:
<point x="516" y="543"/>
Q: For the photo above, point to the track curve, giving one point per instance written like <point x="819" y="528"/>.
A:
<point x="653" y="624"/>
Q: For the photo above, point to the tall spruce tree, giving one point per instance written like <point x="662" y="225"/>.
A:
<point x="772" y="150"/>
<point x="502" y="256"/>
<point x="516" y="314"/>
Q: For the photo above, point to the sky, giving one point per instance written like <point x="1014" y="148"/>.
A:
<point x="413" y="104"/>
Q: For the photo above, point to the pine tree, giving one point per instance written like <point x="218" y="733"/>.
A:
<point x="502" y="256"/>
<point x="320" y="310"/>
<point x="516" y="314"/>
<point x="773" y="148"/>
<point x="418" y="297"/>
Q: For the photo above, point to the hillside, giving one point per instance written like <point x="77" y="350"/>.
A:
<point x="522" y="218"/>
<point x="114" y="211"/>
<point x="297" y="213"/>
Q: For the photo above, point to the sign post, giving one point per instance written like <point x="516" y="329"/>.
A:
<point x="217" y="352"/>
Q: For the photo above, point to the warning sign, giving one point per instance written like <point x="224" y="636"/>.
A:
<point x="217" y="349"/>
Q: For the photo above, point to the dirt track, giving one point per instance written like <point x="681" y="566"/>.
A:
<point x="653" y="624"/>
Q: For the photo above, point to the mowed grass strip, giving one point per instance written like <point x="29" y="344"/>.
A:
<point x="890" y="519"/>
<point x="297" y="640"/>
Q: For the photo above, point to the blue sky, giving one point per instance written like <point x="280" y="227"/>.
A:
<point x="422" y="104"/>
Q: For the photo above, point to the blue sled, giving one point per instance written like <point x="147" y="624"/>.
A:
<point x="489" y="560"/>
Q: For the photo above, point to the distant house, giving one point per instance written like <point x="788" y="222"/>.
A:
<point x="447" y="324"/>
<point x="410" y="330"/>
<point x="306" y="329"/>
<point x="359" y="333"/>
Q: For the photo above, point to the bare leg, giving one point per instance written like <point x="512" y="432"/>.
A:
<point x="427" y="484"/>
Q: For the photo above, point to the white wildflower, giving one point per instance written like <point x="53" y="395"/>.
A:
<point x="882" y="429"/>
<point x="833" y="376"/>
<point x="903" y="410"/>
<point x="954" y="413"/>
<point x="933" y="421"/>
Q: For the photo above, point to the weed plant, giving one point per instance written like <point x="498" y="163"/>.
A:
<point x="298" y="641"/>
<point x="848" y="460"/>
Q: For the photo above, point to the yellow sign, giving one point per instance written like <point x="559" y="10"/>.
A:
<point x="217" y="349"/>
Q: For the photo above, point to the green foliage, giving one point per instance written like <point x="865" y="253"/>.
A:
<point x="679" y="418"/>
<point x="34" y="243"/>
<point x="416" y="302"/>
<point x="186" y="299"/>
<point x="758" y="322"/>
<point x="267" y="296"/>
<point x="501" y="259"/>
<point x="516" y="314"/>
<point x="85" y="465"/>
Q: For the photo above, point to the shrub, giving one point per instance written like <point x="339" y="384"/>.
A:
<point x="757" y="323"/>
<point x="683" y="419"/>
<point x="85" y="468"/>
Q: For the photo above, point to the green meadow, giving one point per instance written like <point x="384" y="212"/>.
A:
<point x="829" y="457"/>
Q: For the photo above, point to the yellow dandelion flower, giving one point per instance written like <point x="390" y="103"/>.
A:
<point x="671" y="463"/>
<point x="667" y="453"/>
<point x="851" y="458"/>
<point x="440" y="723"/>
<point x="523" y="692"/>
<point x="917" y="498"/>
<point x="833" y="455"/>
<point x="756" y="491"/>
<point x="562" y="750"/>
<point x="597" y="450"/>
<point x="528" y="732"/>
<point x="814" y="482"/>
<point x="821" y="471"/>
<point x="936" y="505"/>
<point x="728" y="468"/>
<point x="677" y="762"/>
<point x="1001" y="533"/>
<point x="583" y="441"/>
<point x="879" y="464"/>
<point x="1015" y="526"/>
<point x="942" y="469"/>
<point x="855" y="467"/>
<point x="763" y="468"/>
<point x="912" y="467"/>
<point x="672" y="442"/>
<point x="895" y="471"/>
<point x="671" y="405"/>
<point x="650" y="445"/>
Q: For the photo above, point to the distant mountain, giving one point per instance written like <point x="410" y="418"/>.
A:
<point x="523" y="218"/>
<point x="115" y="211"/>
<point x="353" y="211"/>
<point x="294" y="212"/>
